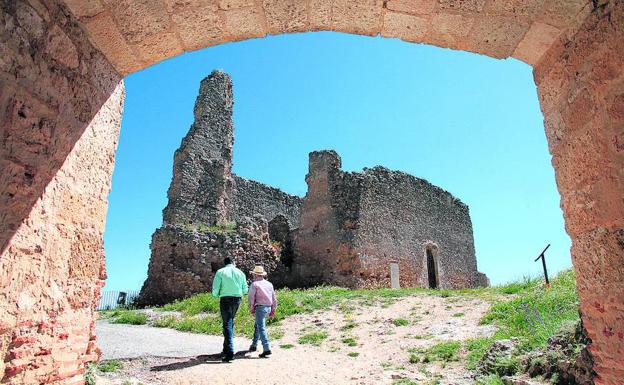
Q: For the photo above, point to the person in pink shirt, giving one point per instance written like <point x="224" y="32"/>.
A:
<point x="262" y="303"/>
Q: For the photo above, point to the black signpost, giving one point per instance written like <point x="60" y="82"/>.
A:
<point x="544" y="265"/>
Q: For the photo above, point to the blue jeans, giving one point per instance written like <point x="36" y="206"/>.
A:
<point x="228" y="307"/>
<point x="260" y="332"/>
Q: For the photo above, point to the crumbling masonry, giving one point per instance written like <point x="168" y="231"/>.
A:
<point x="347" y="230"/>
<point x="212" y="213"/>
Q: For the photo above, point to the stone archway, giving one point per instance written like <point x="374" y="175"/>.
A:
<point x="61" y="96"/>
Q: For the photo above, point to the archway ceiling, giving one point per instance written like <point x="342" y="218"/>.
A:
<point x="134" y="34"/>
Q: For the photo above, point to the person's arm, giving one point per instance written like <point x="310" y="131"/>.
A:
<point x="244" y="287"/>
<point x="216" y="285"/>
<point x="273" y="302"/>
<point x="252" y="299"/>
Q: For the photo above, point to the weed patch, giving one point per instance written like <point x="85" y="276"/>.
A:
<point x="315" y="338"/>
<point x="400" y="322"/>
<point x="129" y="317"/>
<point x="110" y="366"/>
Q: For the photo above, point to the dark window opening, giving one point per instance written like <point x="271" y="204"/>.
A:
<point x="431" y="269"/>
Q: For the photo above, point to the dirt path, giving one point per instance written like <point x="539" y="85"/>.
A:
<point x="379" y="351"/>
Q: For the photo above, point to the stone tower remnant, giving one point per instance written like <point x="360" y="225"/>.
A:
<point x="351" y="229"/>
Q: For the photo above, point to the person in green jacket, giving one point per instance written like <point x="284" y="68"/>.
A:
<point x="229" y="285"/>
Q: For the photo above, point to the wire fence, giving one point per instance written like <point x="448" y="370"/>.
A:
<point x="113" y="299"/>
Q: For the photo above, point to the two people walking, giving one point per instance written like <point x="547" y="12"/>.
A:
<point x="229" y="285"/>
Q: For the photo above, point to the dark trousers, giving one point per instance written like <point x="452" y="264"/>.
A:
<point x="229" y="307"/>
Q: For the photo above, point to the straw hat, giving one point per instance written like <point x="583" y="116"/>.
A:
<point x="258" y="270"/>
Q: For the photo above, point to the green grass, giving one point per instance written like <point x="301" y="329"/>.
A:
<point x="490" y="380"/>
<point x="404" y="381"/>
<point x="314" y="338"/>
<point x="110" y="366"/>
<point x="353" y="354"/>
<point x="90" y="373"/>
<point x="349" y="341"/>
<point x="536" y="313"/>
<point x="476" y="348"/>
<point x="129" y="317"/>
<point x="458" y="315"/>
<point x="400" y="322"/>
<point x="442" y="352"/>
<point x="287" y="346"/>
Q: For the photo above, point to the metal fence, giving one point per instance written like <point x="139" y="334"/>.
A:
<point x="114" y="299"/>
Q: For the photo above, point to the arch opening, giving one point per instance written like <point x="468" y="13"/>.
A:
<point x="48" y="192"/>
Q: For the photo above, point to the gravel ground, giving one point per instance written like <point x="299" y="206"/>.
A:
<point x="119" y="341"/>
<point x="363" y="345"/>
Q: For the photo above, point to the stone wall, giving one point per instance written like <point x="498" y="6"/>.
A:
<point x="581" y="89"/>
<point x="60" y="110"/>
<point x="202" y="166"/>
<point x="250" y="198"/>
<point x="185" y="259"/>
<point x="326" y="228"/>
<point x="354" y="224"/>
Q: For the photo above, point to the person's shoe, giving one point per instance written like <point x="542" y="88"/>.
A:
<point x="252" y="348"/>
<point x="265" y="354"/>
<point x="227" y="358"/>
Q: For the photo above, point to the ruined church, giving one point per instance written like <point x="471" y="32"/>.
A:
<point x="375" y="228"/>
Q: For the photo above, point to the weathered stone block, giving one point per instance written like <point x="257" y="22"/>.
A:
<point x="286" y="15"/>
<point x="199" y="27"/>
<point x="361" y="17"/>
<point x="406" y="27"/>
<point x="417" y="7"/>
<point x="462" y="5"/>
<point x="537" y="40"/>
<point x="245" y="23"/>
<point x="320" y="14"/>
<point x="497" y="36"/>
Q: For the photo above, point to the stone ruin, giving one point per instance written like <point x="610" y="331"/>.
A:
<point x="212" y="213"/>
<point x="348" y="230"/>
<point x="355" y="225"/>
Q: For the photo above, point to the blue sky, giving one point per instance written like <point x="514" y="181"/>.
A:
<point x="467" y="123"/>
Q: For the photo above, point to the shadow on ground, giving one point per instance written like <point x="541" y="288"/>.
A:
<point x="199" y="360"/>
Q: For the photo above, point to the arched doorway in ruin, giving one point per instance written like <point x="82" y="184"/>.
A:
<point x="431" y="264"/>
<point x="61" y="99"/>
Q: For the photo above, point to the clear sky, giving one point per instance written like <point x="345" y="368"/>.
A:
<point x="467" y="123"/>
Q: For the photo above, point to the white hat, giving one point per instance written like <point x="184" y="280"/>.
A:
<point x="258" y="270"/>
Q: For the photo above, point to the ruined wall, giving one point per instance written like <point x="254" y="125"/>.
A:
<point x="581" y="90"/>
<point x="60" y="110"/>
<point x="323" y="241"/>
<point x="184" y="260"/>
<point x="202" y="166"/>
<point x="399" y="216"/>
<point x="354" y="224"/>
<point x="250" y="198"/>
